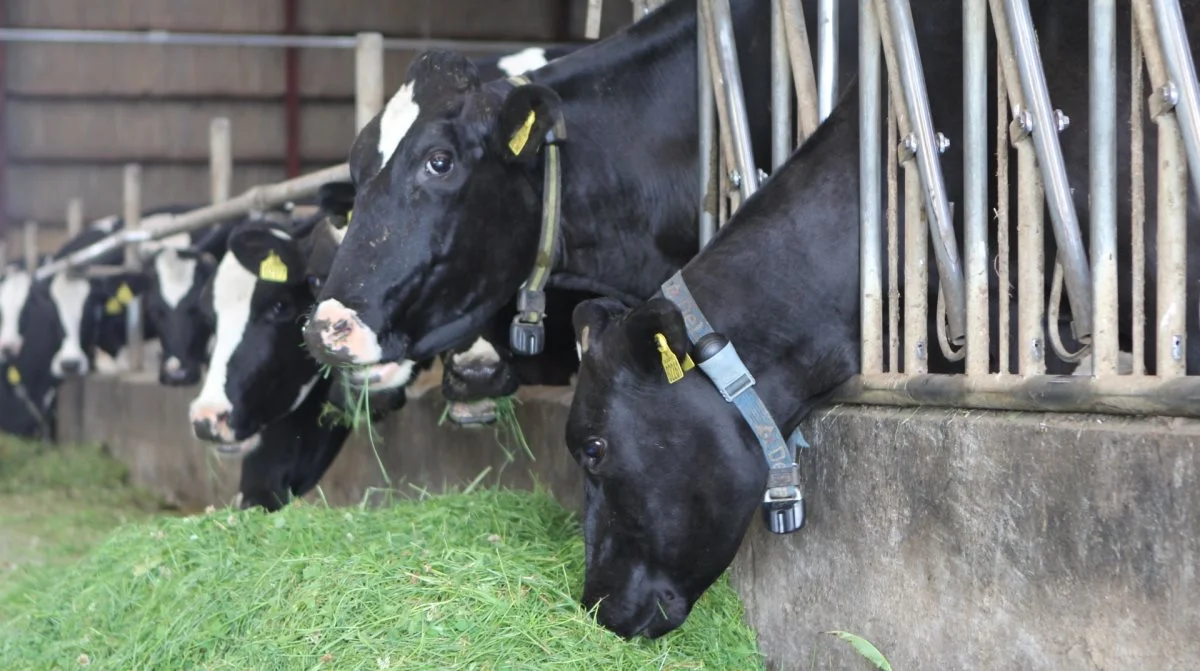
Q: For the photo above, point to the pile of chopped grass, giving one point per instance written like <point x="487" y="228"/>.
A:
<point x="56" y="503"/>
<point x="484" y="580"/>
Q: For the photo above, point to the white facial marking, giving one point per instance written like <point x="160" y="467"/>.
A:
<point x="338" y="234"/>
<point x="523" y="61"/>
<point x="14" y="290"/>
<point x="233" y="287"/>
<point x="398" y="117"/>
<point x="176" y="275"/>
<point x="481" y="351"/>
<point x="304" y="392"/>
<point x="359" y="342"/>
<point x="69" y="295"/>
<point x="105" y="224"/>
<point x="579" y="351"/>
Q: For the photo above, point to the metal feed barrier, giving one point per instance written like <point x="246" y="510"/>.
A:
<point x="895" y="367"/>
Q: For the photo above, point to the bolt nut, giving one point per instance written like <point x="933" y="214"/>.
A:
<point x="942" y="143"/>
<point x="1062" y="120"/>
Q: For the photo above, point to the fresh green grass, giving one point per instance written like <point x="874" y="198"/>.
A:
<point x="485" y="580"/>
<point x="56" y="503"/>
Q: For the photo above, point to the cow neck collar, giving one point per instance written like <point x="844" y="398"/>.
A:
<point x="783" y="503"/>
<point x="527" y="334"/>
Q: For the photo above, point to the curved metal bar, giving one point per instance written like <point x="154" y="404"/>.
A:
<point x="941" y="223"/>
<point x="1178" y="56"/>
<point x="1053" y="168"/>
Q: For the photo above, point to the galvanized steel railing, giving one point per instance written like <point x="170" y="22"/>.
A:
<point x="897" y="128"/>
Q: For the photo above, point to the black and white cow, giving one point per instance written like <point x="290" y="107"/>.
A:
<point x="447" y="217"/>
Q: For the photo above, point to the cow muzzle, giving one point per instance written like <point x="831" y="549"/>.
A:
<point x="173" y="373"/>
<point x="337" y="335"/>
<point x="211" y="424"/>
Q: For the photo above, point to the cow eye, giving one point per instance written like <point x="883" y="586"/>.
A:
<point x="439" y="164"/>
<point x="281" y="310"/>
<point x="314" y="283"/>
<point x="594" y="448"/>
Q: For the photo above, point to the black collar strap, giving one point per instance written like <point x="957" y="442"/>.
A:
<point x="527" y="335"/>
<point x="783" y="503"/>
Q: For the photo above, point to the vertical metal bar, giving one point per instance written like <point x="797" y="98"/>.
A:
<point x="781" y="90"/>
<point x="708" y="131"/>
<point x="291" y="95"/>
<point x="827" y="58"/>
<point x="975" y="182"/>
<point x="1171" y="308"/>
<point x="1003" y="258"/>
<point x="31" y="245"/>
<point x="724" y="134"/>
<point x="896" y="28"/>
<point x="871" y="324"/>
<point x="132" y="198"/>
<point x="74" y="217"/>
<point x="1102" y="168"/>
<point x="1182" y="71"/>
<point x="368" y="78"/>
<point x="220" y="159"/>
<point x="916" y="274"/>
<point x="893" y="239"/>
<point x="1031" y="269"/>
<point x="591" y="29"/>
<point x="803" y="74"/>
<point x="735" y="100"/>
<point x="1044" y="132"/>
<point x="1137" y="187"/>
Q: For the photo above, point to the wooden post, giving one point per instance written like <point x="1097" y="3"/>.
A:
<point x="74" y="218"/>
<point x="220" y="158"/>
<point x="368" y="78"/>
<point x="591" y="30"/>
<point x="31" y="245"/>
<point x="133" y="221"/>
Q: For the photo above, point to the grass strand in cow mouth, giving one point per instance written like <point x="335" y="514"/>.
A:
<point x="507" y="424"/>
<point x="359" y="412"/>
<point x="489" y="579"/>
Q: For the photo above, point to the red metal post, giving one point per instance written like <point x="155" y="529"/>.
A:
<point x="291" y="92"/>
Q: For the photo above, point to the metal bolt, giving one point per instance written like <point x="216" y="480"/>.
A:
<point x="1176" y="348"/>
<point x="942" y="143"/>
<point x="920" y="350"/>
<point x="1170" y="94"/>
<point x="908" y="147"/>
<point x="1035" y="348"/>
<point x="1025" y="120"/>
<point x="735" y="178"/>
<point x="1062" y="120"/>
<point x="762" y="175"/>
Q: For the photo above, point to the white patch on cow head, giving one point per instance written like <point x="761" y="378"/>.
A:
<point x="176" y="275"/>
<point x="14" y="291"/>
<point x="481" y="352"/>
<point x="106" y="224"/>
<point x="338" y="234"/>
<point x="523" y="61"/>
<point x="69" y="295"/>
<point x="233" y="287"/>
<point x="397" y="118"/>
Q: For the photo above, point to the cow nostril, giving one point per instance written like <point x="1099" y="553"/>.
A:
<point x="341" y="327"/>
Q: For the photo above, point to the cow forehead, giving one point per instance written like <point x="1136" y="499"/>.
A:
<point x="14" y="289"/>
<point x="176" y="276"/>
<point x="396" y="120"/>
<point x="233" y="285"/>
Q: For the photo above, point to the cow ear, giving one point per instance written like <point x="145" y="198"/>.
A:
<point x="527" y="116"/>
<point x="271" y="254"/>
<point x="590" y="319"/>
<point x="657" y="339"/>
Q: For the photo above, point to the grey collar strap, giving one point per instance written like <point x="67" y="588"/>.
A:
<point x="783" y="504"/>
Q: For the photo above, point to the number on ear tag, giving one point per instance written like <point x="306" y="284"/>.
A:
<point x="14" y="376"/>
<point x="521" y="137"/>
<point x="272" y="269"/>
<point x="670" y="364"/>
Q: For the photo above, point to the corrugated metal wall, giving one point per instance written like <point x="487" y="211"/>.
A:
<point x="75" y="113"/>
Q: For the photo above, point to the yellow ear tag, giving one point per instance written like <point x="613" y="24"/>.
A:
<point x="113" y="306"/>
<point x="349" y="215"/>
<point x="14" y="376"/>
<point x="272" y="269"/>
<point x="124" y="294"/>
<point x="519" y="138"/>
<point x="669" y="363"/>
<point x="688" y="364"/>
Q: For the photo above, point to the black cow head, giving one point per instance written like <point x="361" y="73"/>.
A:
<point x="446" y="216"/>
<point x="174" y="306"/>
<point x="670" y="470"/>
<point x="68" y="311"/>
<point x="14" y="291"/>
<point x="259" y="369"/>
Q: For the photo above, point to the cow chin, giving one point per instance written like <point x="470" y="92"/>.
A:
<point x="381" y="376"/>
<point x="239" y="449"/>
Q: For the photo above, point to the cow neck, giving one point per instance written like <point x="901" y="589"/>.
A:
<point x="629" y="213"/>
<point x="781" y="279"/>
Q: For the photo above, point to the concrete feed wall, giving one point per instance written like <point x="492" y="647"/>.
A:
<point x="950" y="540"/>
